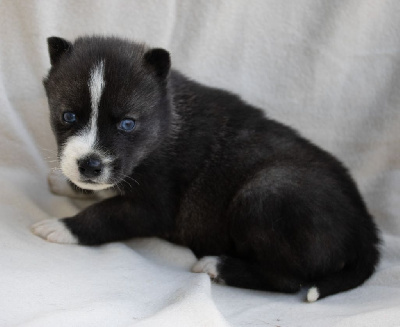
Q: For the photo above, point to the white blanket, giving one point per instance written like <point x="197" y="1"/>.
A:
<point x="329" y="68"/>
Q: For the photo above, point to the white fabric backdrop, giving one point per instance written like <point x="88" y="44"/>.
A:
<point x="329" y="68"/>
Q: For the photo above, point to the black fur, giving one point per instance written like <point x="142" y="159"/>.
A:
<point x="57" y="47"/>
<point x="214" y="174"/>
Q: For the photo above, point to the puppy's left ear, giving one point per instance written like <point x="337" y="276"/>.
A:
<point x="159" y="61"/>
<point x="57" y="47"/>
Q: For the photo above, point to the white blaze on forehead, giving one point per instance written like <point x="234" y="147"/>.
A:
<point x="84" y="143"/>
<point x="96" y="86"/>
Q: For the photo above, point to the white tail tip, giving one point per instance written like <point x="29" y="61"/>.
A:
<point x="312" y="294"/>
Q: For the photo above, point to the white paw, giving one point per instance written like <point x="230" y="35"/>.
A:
<point x="207" y="265"/>
<point x="312" y="294"/>
<point x="53" y="230"/>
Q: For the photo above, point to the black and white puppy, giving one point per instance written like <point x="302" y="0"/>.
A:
<point x="260" y="206"/>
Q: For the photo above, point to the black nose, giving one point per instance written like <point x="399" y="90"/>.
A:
<point x="90" y="167"/>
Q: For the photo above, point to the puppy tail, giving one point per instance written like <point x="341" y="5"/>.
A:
<point x="351" y="276"/>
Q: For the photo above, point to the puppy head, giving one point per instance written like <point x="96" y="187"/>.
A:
<point x="109" y="106"/>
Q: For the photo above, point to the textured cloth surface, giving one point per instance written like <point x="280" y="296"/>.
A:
<point x="331" y="69"/>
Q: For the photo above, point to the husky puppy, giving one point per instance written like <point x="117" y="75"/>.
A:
<point x="259" y="205"/>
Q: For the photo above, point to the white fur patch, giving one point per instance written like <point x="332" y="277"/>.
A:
<point x="207" y="265"/>
<point x="312" y="294"/>
<point x="83" y="144"/>
<point x="96" y="87"/>
<point x="53" y="230"/>
<point x="94" y="187"/>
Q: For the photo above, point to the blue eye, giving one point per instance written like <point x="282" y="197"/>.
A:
<point x="69" y="117"/>
<point x="127" y="125"/>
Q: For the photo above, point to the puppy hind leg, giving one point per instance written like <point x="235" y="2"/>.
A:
<point x="239" y="273"/>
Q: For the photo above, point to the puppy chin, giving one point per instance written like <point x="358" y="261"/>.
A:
<point x="92" y="186"/>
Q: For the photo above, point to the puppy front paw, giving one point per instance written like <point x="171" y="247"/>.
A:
<point x="54" y="230"/>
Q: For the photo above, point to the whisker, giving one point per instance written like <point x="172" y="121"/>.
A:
<point x="123" y="180"/>
<point x="51" y="152"/>
<point x="117" y="186"/>
<point x="127" y="176"/>
<point x="48" y="150"/>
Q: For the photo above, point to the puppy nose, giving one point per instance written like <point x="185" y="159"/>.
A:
<point x="90" y="166"/>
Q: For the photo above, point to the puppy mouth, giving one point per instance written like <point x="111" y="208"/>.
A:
<point x="89" y="181"/>
<point x="89" y="184"/>
<point x="103" y="181"/>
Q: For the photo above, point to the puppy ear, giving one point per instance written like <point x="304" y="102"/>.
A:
<point x="57" y="47"/>
<point x="159" y="61"/>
